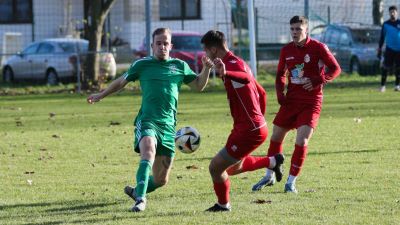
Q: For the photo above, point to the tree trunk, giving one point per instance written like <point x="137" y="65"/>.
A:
<point x="377" y="12"/>
<point x="97" y="13"/>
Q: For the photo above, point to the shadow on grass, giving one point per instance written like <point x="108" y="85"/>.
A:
<point x="336" y="152"/>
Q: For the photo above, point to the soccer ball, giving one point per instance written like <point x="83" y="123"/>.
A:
<point x="187" y="139"/>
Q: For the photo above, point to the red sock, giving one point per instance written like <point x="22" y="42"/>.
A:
<point x="251" y="163"/>
<point x="222" y="191"/>
<point x="274" y="148"/>
<point x="299" y="155"/>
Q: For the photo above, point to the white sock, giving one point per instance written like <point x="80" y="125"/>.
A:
<point x="226" y="206"/>
<point x="269" y="173"/>
<point x="272" y="162"/>
<point x="291" y="179"/>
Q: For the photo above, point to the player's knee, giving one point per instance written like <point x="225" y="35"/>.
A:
<point x="162" y="182"/>
<point x="213" y="169"/>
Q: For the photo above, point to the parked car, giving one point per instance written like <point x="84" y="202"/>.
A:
<point x="354" y="46"/>
<point x="186" y="46"/>
<point x="53" y="60"/>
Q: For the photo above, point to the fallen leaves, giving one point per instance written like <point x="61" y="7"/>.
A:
<point x="192" y="167"/>
<point x="114" y="123"/>
<point x="262" y="201"/>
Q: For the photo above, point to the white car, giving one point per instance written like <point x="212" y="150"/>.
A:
<point x="53" y="60"/>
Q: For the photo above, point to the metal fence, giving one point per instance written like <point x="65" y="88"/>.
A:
<point x="24" y="22"/>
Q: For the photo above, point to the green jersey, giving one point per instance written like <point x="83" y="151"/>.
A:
<point x="160" y="82"/>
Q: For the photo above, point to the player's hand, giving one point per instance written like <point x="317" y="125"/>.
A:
<point x="281" y="99"/>
<point x="207" y="62"/>
<point x="308" y="85"/>
<point x="220" y="67"/>
<point x="379" y="53"/>
<point x="94" y="98"/>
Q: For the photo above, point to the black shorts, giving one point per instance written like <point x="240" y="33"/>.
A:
<point x="392" y="58"/>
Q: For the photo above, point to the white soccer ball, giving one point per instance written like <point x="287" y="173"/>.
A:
<point x="187" y="139"/>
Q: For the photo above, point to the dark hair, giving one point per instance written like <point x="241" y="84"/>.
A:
<point x="299" y="19"/>
<point x="393" y="7"/>
<point x="161" y="30"/>
<point x="214" y="38"/>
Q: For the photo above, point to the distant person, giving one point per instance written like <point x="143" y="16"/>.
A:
<point x="247" y="102"/>
<point x="303" y="60"/>
<point x="391" y="35"/>
<point x="160" y="80"/>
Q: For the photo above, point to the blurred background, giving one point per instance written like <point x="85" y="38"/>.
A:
<point x="62" y="40"/>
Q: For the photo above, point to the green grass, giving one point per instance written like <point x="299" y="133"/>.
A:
<point x="78" y="163"/>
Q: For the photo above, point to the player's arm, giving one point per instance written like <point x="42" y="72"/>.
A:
<point x="237" y="74"/>
<point x="115" y="86"/>
<point x="262" y="97"/>
<point x="333" y="68"/>
<point x="381" y="41"/>
<point x="281" y="80"/>
<point x="202" y="78"/>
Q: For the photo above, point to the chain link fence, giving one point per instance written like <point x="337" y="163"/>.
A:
<point x="24" y="22"/>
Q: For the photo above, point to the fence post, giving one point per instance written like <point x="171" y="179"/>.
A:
<point x="78" y="68"/>
<point x="250" y="12"/>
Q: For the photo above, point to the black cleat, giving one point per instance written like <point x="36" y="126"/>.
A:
<point x="278" y="169"/>
<point x="131" y="192"/>
<point x="218" y="208"/>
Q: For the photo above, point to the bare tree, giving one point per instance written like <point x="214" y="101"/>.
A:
<point x="377" y="12"/>
<point x="96" y="12"/>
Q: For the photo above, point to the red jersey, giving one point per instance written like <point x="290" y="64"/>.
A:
<point x="301" y="64"/>
<point x="247" y="99"/>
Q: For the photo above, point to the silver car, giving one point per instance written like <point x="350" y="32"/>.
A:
<point x="53" y="60"/>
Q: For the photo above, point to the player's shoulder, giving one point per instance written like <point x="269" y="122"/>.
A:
<point x="317" y="44"/>
<point x="233" y="60"/>
<point x="142" y="61"/>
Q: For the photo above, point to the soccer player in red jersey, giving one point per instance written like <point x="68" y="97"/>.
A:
<point x="304" y="61"/>
<point x="247" y="101"/>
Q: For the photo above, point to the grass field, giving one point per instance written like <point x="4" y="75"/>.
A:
<point x="63" y="161"/>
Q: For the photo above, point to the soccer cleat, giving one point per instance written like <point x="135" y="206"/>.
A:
<point x="131" y="192"/>
<point x="278" y="169"/>
<point x="397" y="88"/>
<point x="290" y="188"/>
<point x="382" y="89"/>
<point x="265" y="181"/>
<point x="139" y="206"/>
<point x="218" y="208"/>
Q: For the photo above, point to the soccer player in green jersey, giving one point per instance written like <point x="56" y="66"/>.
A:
<point x="160" y="79"/>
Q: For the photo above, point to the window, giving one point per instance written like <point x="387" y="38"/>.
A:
<point x="16" y="11"/>
<point x="45" y="48"/>
<point x="179" y="9"/>
<point x="31" y="49"/>
<point x="344" y="39"/>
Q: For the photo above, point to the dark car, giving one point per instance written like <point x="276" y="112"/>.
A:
<point x="354" y="46"/>
<point x="186" y="46"/>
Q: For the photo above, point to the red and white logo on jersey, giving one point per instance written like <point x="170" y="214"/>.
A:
<point x="234" y="148"/>
<point x="233" y="61"/>
<point x="307" y="58"/>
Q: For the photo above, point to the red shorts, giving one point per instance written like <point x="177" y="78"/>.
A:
<point x="242" y="143"/>
<point x="295" y="115"/>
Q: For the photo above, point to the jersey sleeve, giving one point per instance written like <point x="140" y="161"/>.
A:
<point x="188" y="73"/>
<point x="132" y="73"/>
<point x="237" y="72"/>
<point x="281" y="78"/>
<point x="333" y="67"/>
<point x="262" y="97"/>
